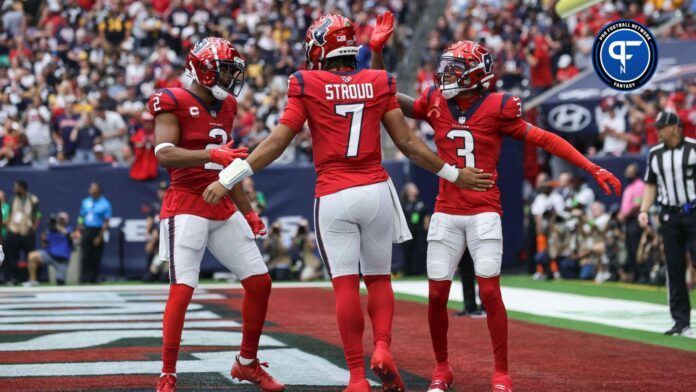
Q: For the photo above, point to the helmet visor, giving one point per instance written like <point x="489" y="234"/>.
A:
<point x="230" y="76"/>
<point x="450" y="72"/>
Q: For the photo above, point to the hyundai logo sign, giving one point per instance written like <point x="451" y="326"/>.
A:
<point x="569" y="117"/>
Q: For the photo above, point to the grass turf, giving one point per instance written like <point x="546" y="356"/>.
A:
<point x="644" y="293"/>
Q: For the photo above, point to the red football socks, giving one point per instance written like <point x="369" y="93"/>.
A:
<point x="351" y="323"/>
<point x="257" y="289"/>
<point x="496" y="319"/>
<point x="173" y="323"/>
<point x="438" y="319"/>
<point x="380" y="307"/>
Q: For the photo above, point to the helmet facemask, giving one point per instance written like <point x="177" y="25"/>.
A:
<point x="452" y="76"/>
<point x="229" y="78"/>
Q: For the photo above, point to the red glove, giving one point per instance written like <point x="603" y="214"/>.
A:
<point x="604" y="178"/>
<point x="224" y="155"/>
<point x="383" y="30"/>
<point x="256" y="224"/>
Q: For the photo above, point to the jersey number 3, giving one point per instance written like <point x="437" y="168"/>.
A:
<point x="468" y="151"/>
<point x="356" y="112"/>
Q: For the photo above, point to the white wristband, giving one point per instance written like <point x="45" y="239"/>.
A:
<point x="238" y="170"/>
<point x="449" y="173"/>
<point x="163" y="145"/>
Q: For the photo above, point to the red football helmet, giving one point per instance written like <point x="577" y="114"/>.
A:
<point x="216" y="64"/>
<point x="329" y="36"/>
<point x="465" y="65"/>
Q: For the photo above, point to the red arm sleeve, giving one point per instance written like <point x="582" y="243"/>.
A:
<point x="557" y="146"/>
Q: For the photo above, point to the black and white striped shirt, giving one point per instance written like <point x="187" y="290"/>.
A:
<point x="672" y="171"/>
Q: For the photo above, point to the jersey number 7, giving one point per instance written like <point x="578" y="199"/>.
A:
<point x="356" y="114"/>
<point x="468" y="151"/>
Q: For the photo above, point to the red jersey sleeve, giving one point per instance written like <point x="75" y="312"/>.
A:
<point x="295" y="113"/>
<point x="392" y="102"/>
<point x="162" y="101"/>
<point x="511" y="122"/>
<point x="421" y="104"/>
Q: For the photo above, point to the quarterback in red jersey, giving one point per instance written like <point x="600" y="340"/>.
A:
<point x="470" y="124"/>
<point x="192" y="131"/>
<point x="357" y="212"/>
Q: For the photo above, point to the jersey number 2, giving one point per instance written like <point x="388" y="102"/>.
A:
<point x="468" y="151"/>
<point x="356" y="111"/>
<point x="216" y="133"/>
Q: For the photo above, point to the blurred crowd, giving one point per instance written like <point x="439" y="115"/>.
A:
<point x="75" y="74"/>
<point x="574" y="236"/>
<point x="534" y="50"/>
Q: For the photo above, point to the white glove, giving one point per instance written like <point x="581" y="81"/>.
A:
<point x="2" y="255"/>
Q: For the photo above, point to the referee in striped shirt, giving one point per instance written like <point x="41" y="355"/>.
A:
<point x="670" y="178"/>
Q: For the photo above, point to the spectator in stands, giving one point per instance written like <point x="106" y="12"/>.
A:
<point x="23" y="221"/>
<point x="539" y="59"/>
<point x="95" y="213"/>
<point x="418" y="218"/>
<point x="628" y="215"/>
<point x="566" y="69"/>
<point x="57" y="246"/>
<point x="64" y="125"/>
<point x="84" y="136"/>
<point x="145" y="166"/>
<point x="279" y="258"/>
<point x="114" y="133"/>
<point x="13" y="143"/>
<point x="612" y="127"/>
<point x="37" y="127"/>
<point x="99" y="155"/>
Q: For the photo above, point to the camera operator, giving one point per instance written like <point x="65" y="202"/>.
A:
<point x="279" y="260"/>
<point x="57" y="243"/>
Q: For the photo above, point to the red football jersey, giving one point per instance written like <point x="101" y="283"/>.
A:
<point x="201" y="127"/>
<point x="344" y="110"/>
<point x="470" y="136"/>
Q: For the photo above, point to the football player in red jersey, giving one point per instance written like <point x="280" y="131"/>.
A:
<point x="357" y="213"/>
<point x="192" y="131"/>
<point x="470" y="124"/>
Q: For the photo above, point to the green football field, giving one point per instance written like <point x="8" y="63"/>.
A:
<point x="610" y="290"/>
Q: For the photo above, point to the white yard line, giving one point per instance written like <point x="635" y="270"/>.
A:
<point x="164" y="288"/>
<point x="641" y="316"/>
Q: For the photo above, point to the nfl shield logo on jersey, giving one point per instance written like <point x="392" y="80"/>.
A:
<point x="346" y="78"/>
<point x="462" y="119"/>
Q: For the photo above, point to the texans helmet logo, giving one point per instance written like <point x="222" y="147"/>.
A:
<point x="319" y="34"/>
<point x="487" y="62"/>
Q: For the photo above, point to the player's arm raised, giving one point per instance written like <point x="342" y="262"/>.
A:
<point x="268" y="151"/>
<point x="380" y="35"/>
<point x="417" y="151"/>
